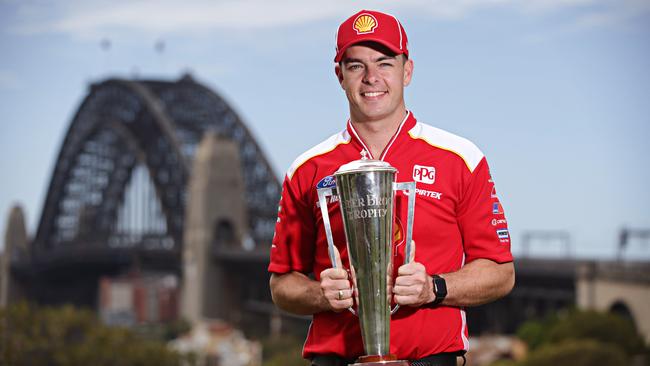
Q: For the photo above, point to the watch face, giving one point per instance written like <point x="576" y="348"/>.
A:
<point x="440" y="287"/>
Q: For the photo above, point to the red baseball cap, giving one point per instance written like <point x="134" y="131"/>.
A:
<point x="370" y="25"/>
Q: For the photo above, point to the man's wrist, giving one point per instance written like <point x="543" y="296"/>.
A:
<point x="432" y="293"/>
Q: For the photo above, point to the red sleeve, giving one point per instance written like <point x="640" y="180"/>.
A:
<point x="293" y="243"/>
<point x="481" y="219"/>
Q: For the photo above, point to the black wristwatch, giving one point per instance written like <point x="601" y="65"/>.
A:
<point x="439" y="290"/>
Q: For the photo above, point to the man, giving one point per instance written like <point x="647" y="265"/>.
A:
<point x="459" y="227"/>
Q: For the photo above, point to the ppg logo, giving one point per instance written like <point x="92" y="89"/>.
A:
<point x="424" y="174"/>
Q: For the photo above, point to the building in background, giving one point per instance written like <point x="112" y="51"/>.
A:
<point x="139" y="299"/>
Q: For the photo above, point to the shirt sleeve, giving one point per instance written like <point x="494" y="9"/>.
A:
<point x="293" y="242"/>
<point x="481" y="219"/>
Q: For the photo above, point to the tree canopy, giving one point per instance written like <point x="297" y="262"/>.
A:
<point x="581" y="338"/>
<point x="66" y="336"/>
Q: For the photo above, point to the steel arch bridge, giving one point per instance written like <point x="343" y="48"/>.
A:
<point x="119" y="187"/>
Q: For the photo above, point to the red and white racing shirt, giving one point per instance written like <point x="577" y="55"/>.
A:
<point x="458" y="218"/>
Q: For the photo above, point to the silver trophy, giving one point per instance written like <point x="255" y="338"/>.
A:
<point x="366" y="191"/>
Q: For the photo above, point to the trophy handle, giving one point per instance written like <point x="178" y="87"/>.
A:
<point x="323" y="193"/>
<point x="409" y="187"/>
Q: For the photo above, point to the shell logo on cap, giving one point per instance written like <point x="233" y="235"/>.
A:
<point x="365" y="23"/>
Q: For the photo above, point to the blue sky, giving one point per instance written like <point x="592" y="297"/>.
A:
<point x="555" y="92"/>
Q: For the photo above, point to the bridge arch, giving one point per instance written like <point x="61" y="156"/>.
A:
<point x="141" y="136"/>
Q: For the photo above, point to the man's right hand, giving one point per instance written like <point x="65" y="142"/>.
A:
<point x="335" y="286"/>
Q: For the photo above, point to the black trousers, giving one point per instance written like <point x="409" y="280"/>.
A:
<point x="441" y="359"/>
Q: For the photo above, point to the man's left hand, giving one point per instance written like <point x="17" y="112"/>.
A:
<point x="413" y="286"/>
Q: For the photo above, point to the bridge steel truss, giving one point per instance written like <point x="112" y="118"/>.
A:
<point x="154" y="128"/>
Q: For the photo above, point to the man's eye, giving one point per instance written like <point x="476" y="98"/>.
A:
<point x="385" y="64"/>
<point x="354" y="67"/>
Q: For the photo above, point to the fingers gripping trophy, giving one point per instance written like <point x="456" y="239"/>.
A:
<point x="366" y="191"/>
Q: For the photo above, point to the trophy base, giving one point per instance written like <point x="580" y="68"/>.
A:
<point x="379" y="360"/>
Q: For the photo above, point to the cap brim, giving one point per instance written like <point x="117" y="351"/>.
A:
<point x="381" y="41"/>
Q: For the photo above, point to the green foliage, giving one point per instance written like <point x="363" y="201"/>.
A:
<point x="164" y="331"/>
<point x="577" y="353"/>
<point x="581" y="338"/>
<point x="504" y="363"/>
<point x="67" y="336"/>
<point x="535" y="333"/>
<point x="176" y="328"/>
<point x="602" y="327"/>
<point x="283" y="351"/>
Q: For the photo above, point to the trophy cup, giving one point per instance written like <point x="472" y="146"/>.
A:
<point x="366" y="190"/>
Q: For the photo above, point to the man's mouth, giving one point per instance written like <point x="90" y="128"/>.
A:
<point x="373" y="94"/>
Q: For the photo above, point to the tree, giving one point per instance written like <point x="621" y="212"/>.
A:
<point x="577" y="353"/>
<point x="67" y="336"/>
<point x="602" y="327"/>
<point x="580" y="338"/>
<point x="579" y="324"/>
<point x="283" y="351"/>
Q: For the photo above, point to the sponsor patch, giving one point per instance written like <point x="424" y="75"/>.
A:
<point x="496" y="222"/>
<point x="329" y="200"/>
<point x="496" y="208"/>
<point x="426" y="193"/>
<point x="503" y="234"/>
<point x="327" y="182"/>
<point x="365" y="23"/>
<point x="494" y="192"/>
<point x="424" y="174"/>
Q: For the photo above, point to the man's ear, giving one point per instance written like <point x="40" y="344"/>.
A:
<point x="339" y="73"/>
<point x="408" y="72"/>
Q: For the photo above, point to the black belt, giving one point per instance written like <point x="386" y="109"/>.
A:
<point x="440" y="359"/>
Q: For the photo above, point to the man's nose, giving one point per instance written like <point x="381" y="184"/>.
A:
<point x="371" y="75"/>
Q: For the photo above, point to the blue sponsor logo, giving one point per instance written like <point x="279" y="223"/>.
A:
<point x="503" y="234"/>
<point x="496" y="208"/>
<point x="327" y="182"/>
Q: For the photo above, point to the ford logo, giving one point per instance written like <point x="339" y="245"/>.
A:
<point x="327" y="182"/>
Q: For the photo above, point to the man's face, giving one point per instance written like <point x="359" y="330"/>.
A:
<point x="374" y="80"/>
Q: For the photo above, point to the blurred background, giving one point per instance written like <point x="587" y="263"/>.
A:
<point x="142" y="145"/>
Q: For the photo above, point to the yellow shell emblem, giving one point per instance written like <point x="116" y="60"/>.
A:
<point x="365" y="23"/>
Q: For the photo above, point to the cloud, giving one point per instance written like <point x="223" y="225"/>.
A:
<point x="91" y="19"/>
<point x="612" y="13"/>
<point x="546" y="6"/>
<point x="81" y="17"/>
<point x="594" y="15"/>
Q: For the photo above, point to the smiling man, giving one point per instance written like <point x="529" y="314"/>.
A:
<point x="463" y="253"/>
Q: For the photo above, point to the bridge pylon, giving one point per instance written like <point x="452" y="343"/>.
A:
<point x="215" y="219"/>
<point x="15" y="248"/>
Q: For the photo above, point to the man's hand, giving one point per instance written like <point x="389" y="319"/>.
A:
<point x="335" y="286"/>
<point x="413" y="286"/>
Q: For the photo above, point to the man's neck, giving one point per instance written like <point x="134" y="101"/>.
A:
<point x="377" y="134"/>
